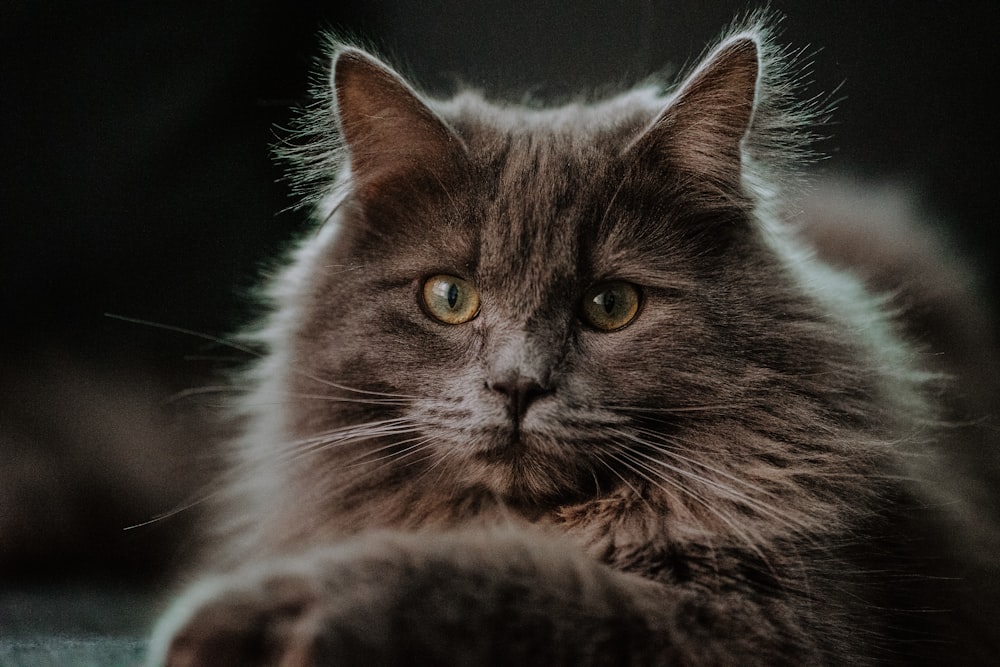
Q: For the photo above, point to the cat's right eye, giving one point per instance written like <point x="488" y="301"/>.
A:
<point x="449" y="299"/>
<point x="611" y="306"/>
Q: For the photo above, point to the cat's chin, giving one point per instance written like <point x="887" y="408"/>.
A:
<point x="522" y="470"/>
<point x="503" y="446"/>
<point x="506" y="448"/>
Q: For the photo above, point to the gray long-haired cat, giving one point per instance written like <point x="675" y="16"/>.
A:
<point x="579" y="386"/>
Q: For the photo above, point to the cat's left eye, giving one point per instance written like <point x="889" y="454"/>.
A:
<point x="450" y="299"/>
<point x="611" y="306"/>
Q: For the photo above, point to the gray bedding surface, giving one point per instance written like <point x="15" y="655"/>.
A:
<point x="79" y="626"/>
<point x="43" y="651"/>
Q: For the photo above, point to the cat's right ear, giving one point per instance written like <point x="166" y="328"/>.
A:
<point x="389" y="132"/>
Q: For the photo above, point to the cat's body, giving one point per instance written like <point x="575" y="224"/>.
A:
<point x="565" y="387"/>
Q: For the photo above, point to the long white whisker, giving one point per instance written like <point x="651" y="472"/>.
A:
<point x="304" y="447"/>
<point x="292" y="448"/>
<point x="184" y="506"/>
<point x="419" y="445"/>
<point x="680" y="409"/>
<point x="423" y="447"/>
<point x="624" y="479"/>
<point x="250" y="351"/>
<point x="364" y="458"/>
<point x="727" y="490"/>
<point x="441" y="459"/>
<point x="198" y="391"/>
<point x="341" y="439"/>
<point x="641" y="469"/>
<point x="667" y="445"/>
<point x="341" y="399"/>
<point x="292" y="398"/>
<point x="636" y="466"/>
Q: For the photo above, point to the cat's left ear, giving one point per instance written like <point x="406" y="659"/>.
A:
<point x="387" y="129"/>
<point x="701" y="131"/>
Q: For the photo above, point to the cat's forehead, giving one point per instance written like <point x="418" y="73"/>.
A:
<point x="544" y="181"/>
<point x="539" y="182"/>
<point x="531" y="209"/>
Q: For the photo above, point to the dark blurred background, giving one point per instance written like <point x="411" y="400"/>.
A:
<point x="137" y="180"/>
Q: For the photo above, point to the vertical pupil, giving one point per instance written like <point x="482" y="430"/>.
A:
<point x="608" y="301"/>
<point x="452" y="295"/>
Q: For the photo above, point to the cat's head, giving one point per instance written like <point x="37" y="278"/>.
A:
<point x="548" y="304"/>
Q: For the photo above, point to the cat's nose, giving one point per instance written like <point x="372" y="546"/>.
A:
<point x="520" y="390"/>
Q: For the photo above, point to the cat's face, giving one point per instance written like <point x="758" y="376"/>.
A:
<point x="520" y="328"/>
<point x="539" y="305"/>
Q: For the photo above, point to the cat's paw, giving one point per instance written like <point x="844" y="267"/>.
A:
<point x="445" y="599"/>
<point x="346" y="605"/>
<point x="247" y="619"/>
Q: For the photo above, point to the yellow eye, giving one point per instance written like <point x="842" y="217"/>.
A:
<point x="611" y="306"/>
<point x="450" y="299"/>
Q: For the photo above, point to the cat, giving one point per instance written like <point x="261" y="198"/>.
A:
<point x="584" y="385"/>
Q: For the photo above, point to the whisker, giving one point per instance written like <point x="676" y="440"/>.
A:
<point x="668" y="446"/>
<point x="625" y="480"/>
<point x="250" y="351"/>
<point x="641" y="469"/>
<point x="623" y="457"/>
<point x="341" y="437"/>
<point x="292" y="448"/>
<point x="400" y="400"/>
<point x="200" y="391"/>
<point x="293" y="398"/>
<point x="732" y="493"/>
<point x="359" y="460"/>
<point x="419" y="445"/>
<point x="442" y="457"/>
<point x="296" y="449"/>
<point x="679" y="409"/>
<point x="424" y="444"/>
<point x="182" y="507"/>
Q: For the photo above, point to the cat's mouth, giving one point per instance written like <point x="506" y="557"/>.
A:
<point x="507" y="445"/>
<point x="522" y="466"/>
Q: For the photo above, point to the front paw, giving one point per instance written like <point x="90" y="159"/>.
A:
<point x="249" y="618"/>
<point x="356" y="604"/>
<point x="446" y="599"/>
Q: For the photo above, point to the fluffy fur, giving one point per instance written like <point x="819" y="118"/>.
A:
<point x="744" y="473"/>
